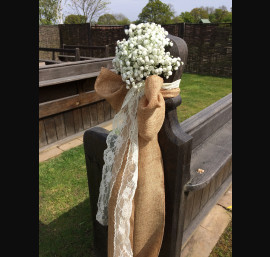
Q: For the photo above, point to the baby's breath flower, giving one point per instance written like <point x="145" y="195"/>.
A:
<point x="143" y="54"/>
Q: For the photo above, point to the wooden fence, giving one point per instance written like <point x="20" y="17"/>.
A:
<point x="68" y="103"/>
<point x="210" y="45"/>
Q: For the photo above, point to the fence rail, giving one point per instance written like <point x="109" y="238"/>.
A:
<point x="75" y="51"/>
<point x="92" y="50"/>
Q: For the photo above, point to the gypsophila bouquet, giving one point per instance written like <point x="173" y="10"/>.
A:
<point x="144" y="54"/>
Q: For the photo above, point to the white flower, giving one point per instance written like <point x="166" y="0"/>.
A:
<point x="143" y="54"/>
<point x="132" y="26"/>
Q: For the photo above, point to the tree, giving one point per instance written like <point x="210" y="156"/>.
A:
<point x="89" y="8"/>
<point x="198" y="14"/>
<point x="157" y="12"/>
<point x="107" y="19"/>
<point x="121" y="19"/>
<point x="47" y="12"/>
<point x="220" y="15"/>
<point x="75" y="19"/>
<point x="187" y="17"/>
<point x="177" y="19"/>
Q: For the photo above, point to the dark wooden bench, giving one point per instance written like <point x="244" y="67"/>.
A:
<point x="202" y="141"/>
<point x="62" y="73"/>
<point x="68" y="103"/>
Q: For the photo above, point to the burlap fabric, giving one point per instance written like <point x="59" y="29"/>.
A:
<point x="148" y="215"/>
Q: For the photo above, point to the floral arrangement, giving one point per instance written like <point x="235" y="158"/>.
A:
<point x="144" y="54"/>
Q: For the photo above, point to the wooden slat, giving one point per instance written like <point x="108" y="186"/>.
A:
<point x="57" y="81"/>
<point x="196" y="203"/>
<point x="93" y="114"/>
<point x="212" y="188"/>
<point x="107" y="111"/>
<point x="77" y="116"/>
<point x="100" y="112"/>
<point x="60" y="126"/>
<point x="56" y="50"/>
<point x="86" y="117"/>
<point x="205" y="194"/>
<point x="113" y="112"/>
<point x="50" y="130"/>
<point x="85" y="47"/>
<point x="42" y="134"/>
<point x="189" y="206"/>
<point x="69" y="123"/>
<point x="69" y="64"/>
<point x="67" y="103"/>
<point x="74" y="70"/>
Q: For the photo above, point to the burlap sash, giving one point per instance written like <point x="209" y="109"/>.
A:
<point x="148" y="214"/>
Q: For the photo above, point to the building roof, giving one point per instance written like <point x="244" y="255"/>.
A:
<point x="204" y="21"/>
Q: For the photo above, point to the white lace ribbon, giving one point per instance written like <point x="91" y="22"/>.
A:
<point x="123" y="139"/>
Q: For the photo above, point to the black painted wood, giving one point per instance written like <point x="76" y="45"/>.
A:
<point x="94" y="144"/>
<point x="218" y="145"/>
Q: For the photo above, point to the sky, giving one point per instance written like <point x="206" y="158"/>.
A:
<point x="132" y="8"/>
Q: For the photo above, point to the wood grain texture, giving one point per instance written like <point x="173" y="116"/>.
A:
<point x="107" y="111"/>
<point x="100" y="112"/>
<point x="93" y="114"/>
<point x="50" y="130"/>
<point x="81" y="67"/>
<point x="86" y="117"/>
<point x="60" y="126"/>
<point x="69" y="123"/>
<point x="77" y="117"/>
<point x="67" y="103"/>
<point x="42" y="134"/>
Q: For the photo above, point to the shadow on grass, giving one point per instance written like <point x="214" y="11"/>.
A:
<point x="70" y="235"/>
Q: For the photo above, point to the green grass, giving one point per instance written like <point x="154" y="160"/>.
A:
<point x="65" y="228"/>
<point x="64" y="207"/>
<point x="199" y="91"/>
<point x="224" y="246"/>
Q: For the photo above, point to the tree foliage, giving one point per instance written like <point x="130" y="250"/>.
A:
<point x="198" y="14"/>
<point x="121" y="19"/>
<point x="91" y="9"/>
<point x="187" y="17"/>
<point x="47" y="12"/>
<point x="75" y="19"/>
<point x="214" y="15"/>
<point x="157" y="12"/>
<point x="113" y="19"/>
<point x="107" y="19"/>
<point x="220" y="15"/>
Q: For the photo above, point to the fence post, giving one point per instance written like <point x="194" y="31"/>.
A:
<point x="53" y="55"/>
<point x="107" y="51"/>
<point x="181" y="30"/>
<point x="77" y="54"/>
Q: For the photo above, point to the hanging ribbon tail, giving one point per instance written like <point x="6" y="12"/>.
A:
<point x="132" y="195"/>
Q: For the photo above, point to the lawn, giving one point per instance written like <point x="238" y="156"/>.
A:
<point x="65" y="228"/>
